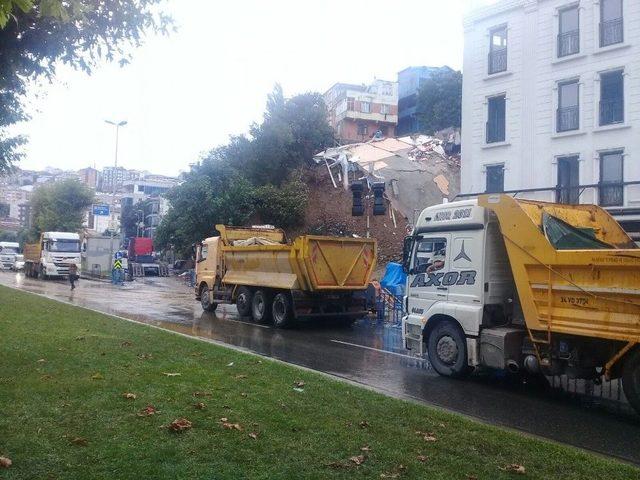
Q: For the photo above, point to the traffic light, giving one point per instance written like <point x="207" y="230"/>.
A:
<point x="379" y="207"/>
<point x="357" y="209"/>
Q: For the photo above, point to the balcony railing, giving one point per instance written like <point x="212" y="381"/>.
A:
<point x="611" y="194"/>
<point x="568" y="118"/>
<point x="611" y="111"/>
<point x="497" y="61"/>
<point x="611" y="32"/>
<point x="568" y="43"/>
<point x="495" y="131"/>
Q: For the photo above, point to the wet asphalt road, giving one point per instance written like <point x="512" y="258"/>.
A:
<point x="368" y="353"/>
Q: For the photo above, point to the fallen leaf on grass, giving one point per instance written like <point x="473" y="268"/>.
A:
<point x="253" y="435"/>
<point x="395" y="473"/>
<point x="472" y="477"/>
<point x="238" y="377"/>
<point x="230" y="364"/>
<point x="144" y="356"/>
<point x="200" y="405"/>
<point x="358" y="459"/>
<point x="366" y="448"/>
<point x="170" y="374"/>
<point x="79" y="441"/>
<point x="243" y="394"/>
<point x="148" y="410"/>
<point x="514" y="468"/>
<point x="232" y="426"/>
<point x="422" y="458"/>
<point x="80" y="337"/>
<point x="298" y="384"/>
<point x="180" y="425"/>
<point x="202" y="394"/>
<point x="42" y="360"/>
<point x="427" y="437"/>
<point x="5" y="462"/>
<point x="46" y="377"/>
<point x="196" y="354"/>
<point x="97" y="376"/>
<point x="364" y="424"/>
<point x="129" y="396"/>
<point x="126" y="343"/>
<point x="224" y="419"/>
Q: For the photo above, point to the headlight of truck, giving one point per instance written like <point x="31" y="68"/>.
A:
<point x="413" y="330"/>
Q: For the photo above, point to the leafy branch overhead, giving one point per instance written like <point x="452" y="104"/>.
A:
<point x="253" y="178"/>
<point x="38" y="35"/>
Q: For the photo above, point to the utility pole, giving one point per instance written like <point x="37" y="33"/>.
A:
<point x="119" y="124"/>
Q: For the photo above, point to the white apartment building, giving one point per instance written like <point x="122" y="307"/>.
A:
<point x="551" y="102"/>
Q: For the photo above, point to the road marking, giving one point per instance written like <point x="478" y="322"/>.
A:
<point x="376" y="349"/>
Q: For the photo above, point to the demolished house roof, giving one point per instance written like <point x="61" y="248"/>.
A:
<point x="416" y="170"/>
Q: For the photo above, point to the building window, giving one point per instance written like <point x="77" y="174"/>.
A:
<point x="498" y="50"/>
<point x="496" y="110"/>
<point x="568" y="190"/>
<point x="568" y="115"/>
<point x="384" y="109"/>
<point x="611" y="25"/>
<point x="365" y="107"/>
<point x="569" y="31"/>
<point x="363" y="129"/>
<point x="350" y="104"/>
<point x="611" y="192"/>
<point x="611" y="97"/>
<point x="495" y="179"/>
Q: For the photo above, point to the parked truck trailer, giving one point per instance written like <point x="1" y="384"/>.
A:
<point x="270" y="279"/>
<point x="52" y="255"/>
<point x="524" y="286"/>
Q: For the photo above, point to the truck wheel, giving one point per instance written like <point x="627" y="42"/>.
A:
<point x="282" y="311"/>
<point x="261" y="306"/>
<point x="447" y="350"/>
<point x="205" y="300"/>
<point x="631" y="379"/>
<point x="243" y="301"/>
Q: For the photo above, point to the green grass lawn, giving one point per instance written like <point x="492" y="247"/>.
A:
<point x="64" y="370"/>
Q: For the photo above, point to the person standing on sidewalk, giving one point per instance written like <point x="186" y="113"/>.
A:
<point x="73" y="275"/>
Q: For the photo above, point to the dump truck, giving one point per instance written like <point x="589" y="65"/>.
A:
<point x="8" y="252"/>
<point x="271" y="279"/>
<point x="52" y="255"/>
<point x="525" y="286"/>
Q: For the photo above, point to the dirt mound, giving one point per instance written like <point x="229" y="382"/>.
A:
<point x="329" y="213"/>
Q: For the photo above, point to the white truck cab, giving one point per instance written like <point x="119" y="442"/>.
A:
<point x="8" y="251"/>
<point x="457" y="272"/>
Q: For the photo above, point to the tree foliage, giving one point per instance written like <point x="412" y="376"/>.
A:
<point x="60" y="206"/>
<point x="253" y="178"/>
<point x="38" y="35"/>
<point x="439" y="102"/>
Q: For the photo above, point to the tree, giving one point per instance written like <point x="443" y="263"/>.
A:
<point x="252" y="178"/>
<point x="439" y="103"/>
<point x="60" y="206"/>
<point x="37" y="35"/>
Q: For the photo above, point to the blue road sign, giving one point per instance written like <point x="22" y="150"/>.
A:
<point x="118" y="255"/>
<point x="101" y="210"/>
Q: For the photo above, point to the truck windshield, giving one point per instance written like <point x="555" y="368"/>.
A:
<point x="70" y="246"/>
<point x="567" y="237"/>
<point x="8" y="250"/>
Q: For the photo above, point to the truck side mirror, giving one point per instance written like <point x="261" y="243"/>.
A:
<point x="406" y="253"/>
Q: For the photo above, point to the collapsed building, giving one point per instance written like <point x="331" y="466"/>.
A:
<point x="416" y="171"/>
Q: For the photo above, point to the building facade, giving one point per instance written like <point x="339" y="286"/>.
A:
<point x="410" y="80"/>
<point x="358" y="112"/>
<point x="551" y="103"/>
<point x="89" y="176"/>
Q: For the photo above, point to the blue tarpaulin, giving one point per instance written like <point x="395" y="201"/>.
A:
<point x="394" y="279"/>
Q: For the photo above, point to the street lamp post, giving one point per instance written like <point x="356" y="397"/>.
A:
<point x="119" y="124"/>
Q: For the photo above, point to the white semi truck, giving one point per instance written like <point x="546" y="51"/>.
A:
<point x="8" y="252"/>
<point x="524" y="285"/>
<point x="52" y="255"/>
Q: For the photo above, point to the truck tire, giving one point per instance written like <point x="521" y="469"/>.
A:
<point x="447" y="350"/>
<point x="205" y="300"/>
<point x="631" y="379"/>
<point x="243" y="301"/>
<point x="261" y="306"/>
<point x="282" y="310"/>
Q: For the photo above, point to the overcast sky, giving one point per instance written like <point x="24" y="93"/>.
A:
<point x="186" y="94"/>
